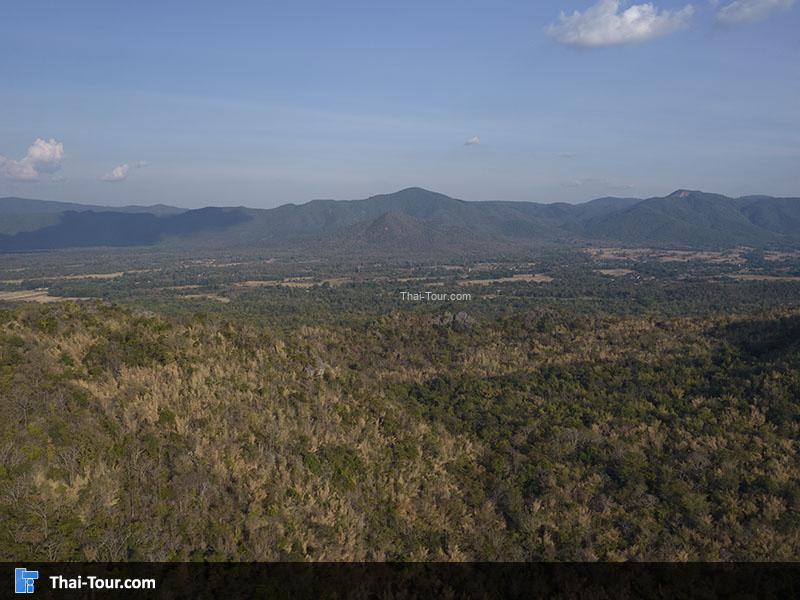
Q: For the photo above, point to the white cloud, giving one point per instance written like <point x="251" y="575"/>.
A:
<point x="750" y="11"/>
<point x="473" y="141"/>
<point x="606" y="24"/>
<point x="121" y="172"/>
<point x="44" y="157"/>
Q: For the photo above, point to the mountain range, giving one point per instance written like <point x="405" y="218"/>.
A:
<point x="412" y="221"/>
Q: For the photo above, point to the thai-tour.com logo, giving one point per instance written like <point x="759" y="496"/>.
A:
<point x="24" y="580"/>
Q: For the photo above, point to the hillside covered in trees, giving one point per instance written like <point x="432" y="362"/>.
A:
<point x="410" y="223"/>
<point x="535" y="433"/>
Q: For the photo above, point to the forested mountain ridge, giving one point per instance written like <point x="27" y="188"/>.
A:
<point x="24" y="214"/>
<point x="684" y="219"/>
<point x="90" y="228"/>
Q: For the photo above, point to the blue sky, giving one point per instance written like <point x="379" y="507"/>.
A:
<point x="262" y="103"/>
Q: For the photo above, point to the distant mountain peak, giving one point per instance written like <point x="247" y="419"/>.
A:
<point x="684" y="193"/>
<point x="418" y="194"/>
<point x="417" y="190"/>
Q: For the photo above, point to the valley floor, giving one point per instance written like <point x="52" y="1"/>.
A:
<point x="578" y="406"/>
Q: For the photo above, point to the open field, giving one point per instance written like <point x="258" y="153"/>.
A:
<point x="757" y="277"/>
<point x="774" y="256"/>
<point x="289" y="283"/>
<point x="39" y="295"/>
<point x="731" y="257"/>
<point x="513" y="279"/>
<point x="616" y="272"/>
<point x="215" y="297"/>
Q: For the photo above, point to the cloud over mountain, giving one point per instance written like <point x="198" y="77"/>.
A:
<point x="120" y="173"/>
<point x="607" y="24"/>
<point x="44" y="157"/>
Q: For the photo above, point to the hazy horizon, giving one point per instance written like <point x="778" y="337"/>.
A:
<point x="388" y="193"/>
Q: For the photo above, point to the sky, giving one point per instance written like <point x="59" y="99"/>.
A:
<point x="263" y="103"/>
